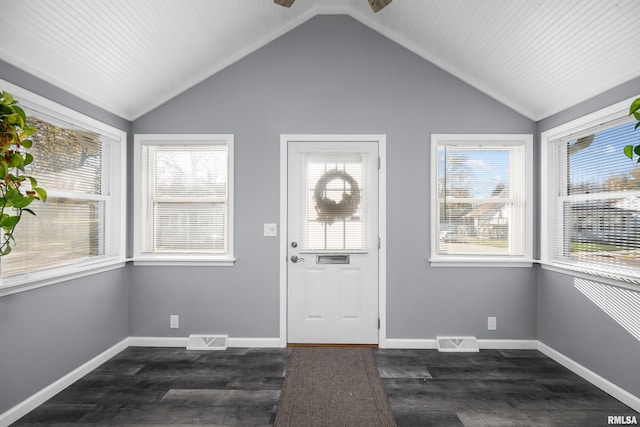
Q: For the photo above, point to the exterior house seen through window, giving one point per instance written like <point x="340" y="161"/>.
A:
<point x="481" y="188"/>
<point x="593" y="197"/>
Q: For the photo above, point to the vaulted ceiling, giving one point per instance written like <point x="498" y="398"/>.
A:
<point x="130" y="56"/>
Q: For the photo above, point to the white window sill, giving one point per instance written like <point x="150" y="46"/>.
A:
<point x="626" y="282"/>
<point x="27" y="282"/>
<point x="480" y="262"/>
<point x="191" y="261"/>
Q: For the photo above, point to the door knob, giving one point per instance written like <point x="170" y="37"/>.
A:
<point x="295" y="259"/>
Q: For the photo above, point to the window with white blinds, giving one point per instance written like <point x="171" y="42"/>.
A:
<point x="481" y="195"/>
<point x="593" y="197"/>
<point x="184" y="183"/>
<point x="80" y="162"/>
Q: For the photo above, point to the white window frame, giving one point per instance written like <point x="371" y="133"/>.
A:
<point x="117" y="239"/>
<point x="187" y="259"/>
<point x="618" y="110"/>
<point x="473" y="140"/>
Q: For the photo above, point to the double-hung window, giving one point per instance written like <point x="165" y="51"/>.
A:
<point x="591" y="196"/>
<point x="481" y="190"/>
<point x="183" y="199"/>
<point x="80" y="162"/>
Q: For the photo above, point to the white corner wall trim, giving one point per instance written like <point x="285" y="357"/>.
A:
<point x="26" y="406"/>
<point x="602" y="383"/>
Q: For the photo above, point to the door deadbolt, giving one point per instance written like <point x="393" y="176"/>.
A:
<point x="294" y="244"/>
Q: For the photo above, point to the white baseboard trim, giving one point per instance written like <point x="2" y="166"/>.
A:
<point x="602" y="383"/>
<point x="255" y="342"/>
<point x="28" y="405"/>
<point x="158" y="341"/>
<point x="430" y="344"/>
<point x="507" y="344"/>
<point x="182" y="342"/>
<point x="409" y="343"/>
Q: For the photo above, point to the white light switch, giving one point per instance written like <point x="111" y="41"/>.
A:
<point x="270" y="230"/>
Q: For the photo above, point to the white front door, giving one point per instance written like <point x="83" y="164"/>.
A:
<point x="332" y="241"/>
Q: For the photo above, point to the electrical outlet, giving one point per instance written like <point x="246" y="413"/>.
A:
<point x="491" y="323"/>
<point x="174" y="321"/>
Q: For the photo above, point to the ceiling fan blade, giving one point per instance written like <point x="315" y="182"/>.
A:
<point x="378" y="5"/>
<point x="285" y="3"/>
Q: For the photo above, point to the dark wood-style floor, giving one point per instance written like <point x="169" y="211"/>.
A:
<point x="169" y="386"/>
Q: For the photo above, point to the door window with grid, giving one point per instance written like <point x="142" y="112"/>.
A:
<point x="334" y="205"/>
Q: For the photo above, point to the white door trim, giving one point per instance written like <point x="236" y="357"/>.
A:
<point x="382" y="223"/>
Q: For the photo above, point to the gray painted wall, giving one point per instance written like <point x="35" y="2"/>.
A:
<point x="575" y="326"/>
<point x="48" y="332"/>
<point x="333" y="75"/>
<point x="567" y="320"/>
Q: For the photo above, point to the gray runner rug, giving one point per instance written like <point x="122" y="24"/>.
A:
<point x="333" y="386"/>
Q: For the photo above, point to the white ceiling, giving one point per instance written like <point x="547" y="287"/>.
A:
<point x="130" y="56"/>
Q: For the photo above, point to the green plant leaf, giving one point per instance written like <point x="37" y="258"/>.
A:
<point x="7" y="98"/>
<point x="28" y="159"/>
<point x="42" y="193"/>
<point x="636" y="150"/>
<point x="23" y="203"/>
<point x="16" y="160"/>
<point x="7" y="250"/>
<point x="9" y="222"/>
<point x="635" y="106"/>
<point x="628" y="151"/>
<point x="20" y="112"/>
<point x="29" y="211"/>
<point x="27" y="143"/>
<point x="33" y="181"/>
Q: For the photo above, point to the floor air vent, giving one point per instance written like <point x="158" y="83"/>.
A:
<point x="457" y="344"/>
<point x="207" y="342"/>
